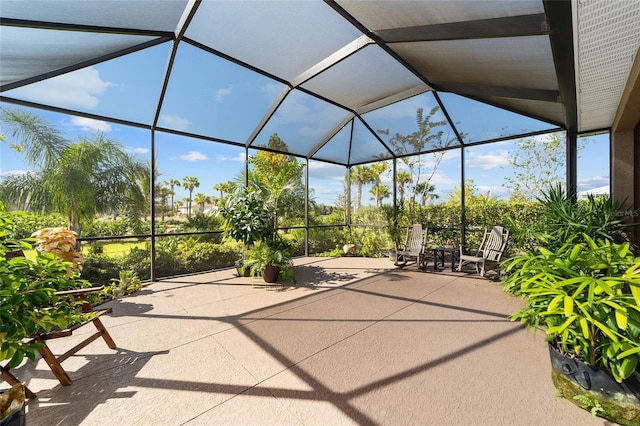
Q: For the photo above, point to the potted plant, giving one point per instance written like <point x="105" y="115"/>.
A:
<point x="245" y="219"/>
<point x="272" y="258"/>
<point x="581" y="286"/>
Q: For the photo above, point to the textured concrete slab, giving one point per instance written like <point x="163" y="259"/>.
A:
<point x="356" y="341"/>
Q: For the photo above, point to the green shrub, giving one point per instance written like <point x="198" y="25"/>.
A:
<point x="336" y="252"/>
<point x="203" y="222"/>
<point x="205" y="256"/>
<point x="139" y="262"/>
<point x="26" y="224"/>
<point x="325" y="239"/>
<point x="104" y="227"/>
<point x="372" y="244"/>
<point x="99" y="269"/>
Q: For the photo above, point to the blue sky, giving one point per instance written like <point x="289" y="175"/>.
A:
<point x="216" y="98"/>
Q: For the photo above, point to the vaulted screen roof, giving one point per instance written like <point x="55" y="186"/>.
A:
<point x="336" y="79"/>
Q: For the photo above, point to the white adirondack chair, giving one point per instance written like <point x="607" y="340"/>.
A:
<point x="489" y="255"/>
<point x="414" y="247"/>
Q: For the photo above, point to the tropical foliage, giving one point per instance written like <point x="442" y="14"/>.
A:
<point x="581" y="283"/>
<point x="272" y="252"/>
<point x="586" y="296"/>
<point x="244" y="217"/>
<point x="78" y="180"/>
<point x="278" y="178"/>
<point x="28" y="300"/>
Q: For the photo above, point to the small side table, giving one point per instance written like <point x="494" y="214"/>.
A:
<point x="439" y="257"/>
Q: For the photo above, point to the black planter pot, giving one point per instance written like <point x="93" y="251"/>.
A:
<point x="270" y="274"/>
<point x="243" y="272"/>
<point x="589" y="387"/>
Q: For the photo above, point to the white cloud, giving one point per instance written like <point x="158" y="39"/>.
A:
<point x="488" y="161"/>
<point x="78" y="89"/>
<point x="223" y="93"/>
<point x="308" y="113"/>
<point x="193" y="156"/>
<point x="493" y="190"/>
<point x="174" y="122"/>
<point x="547" y="137"/>
<point x="321" y="190"/>
<point x="89" y="124"/>
<point x="440" y="179"/>
<point x="238" y="158"/>
<point x="318" y="170"/>
<point x="138" y="150"/>
<point x="593" y="182"/>
<point x="272" y="90"/>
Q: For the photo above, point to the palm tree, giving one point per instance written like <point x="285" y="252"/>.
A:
<point x="190" y="183"/>
<point x="163" y="193"/>
<point x="178" y="205"/>
<point x="426" y="191"/>
<point x="171" y="183"/>
<point x="279" y="178"/>
<point x="79" y="180"/>
<point x="225" y="188"/>
<point x="202" y="199"/>
<point x="360" y="175"/>
<point x="379" y="193"/>
<point x="402" y="179"/>
<point x="185" y="202"/>
<point x="376" y="170"/>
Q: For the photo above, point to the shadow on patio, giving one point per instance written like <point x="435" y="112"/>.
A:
<point x="355" y="342"/>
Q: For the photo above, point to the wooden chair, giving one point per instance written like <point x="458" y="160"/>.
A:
<point x="489" y="254"/>
<point x="413" y="249"/>
<point x="53" y="361"/>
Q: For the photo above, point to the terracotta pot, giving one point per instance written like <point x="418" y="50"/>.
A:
<point x="270" y="274"/>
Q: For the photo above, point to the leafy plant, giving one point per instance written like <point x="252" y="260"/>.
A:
<point x="244" y="217"/>
<point x="60" y="242"/>
<point x="127" y="283"/>
<point x="393" y="214"/>
<point x="28" y="300"/>
<point x="273" y="252"/>
<point x="586" y="296"/>
<point x="563" y="219"/>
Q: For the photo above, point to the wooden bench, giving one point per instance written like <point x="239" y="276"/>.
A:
<point x="53" y="361"/>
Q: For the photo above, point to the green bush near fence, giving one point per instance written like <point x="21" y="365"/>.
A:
<point x="176" y="255"/>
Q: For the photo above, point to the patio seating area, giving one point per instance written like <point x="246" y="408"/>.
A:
<point x="356" y="341"/>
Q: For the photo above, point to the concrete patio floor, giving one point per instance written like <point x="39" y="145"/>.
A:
<point x="357" y="341"/>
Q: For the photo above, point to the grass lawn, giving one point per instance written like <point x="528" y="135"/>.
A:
<point x="115" y="249"/>
<point x="109" y="249"/>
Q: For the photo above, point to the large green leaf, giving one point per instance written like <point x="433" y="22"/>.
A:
<point x="568" y="306"/>
<point x="628" y="352"/>
<point x="561" y="328"/>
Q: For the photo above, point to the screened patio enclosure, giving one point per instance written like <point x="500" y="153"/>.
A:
<point x="336" y="80"/>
